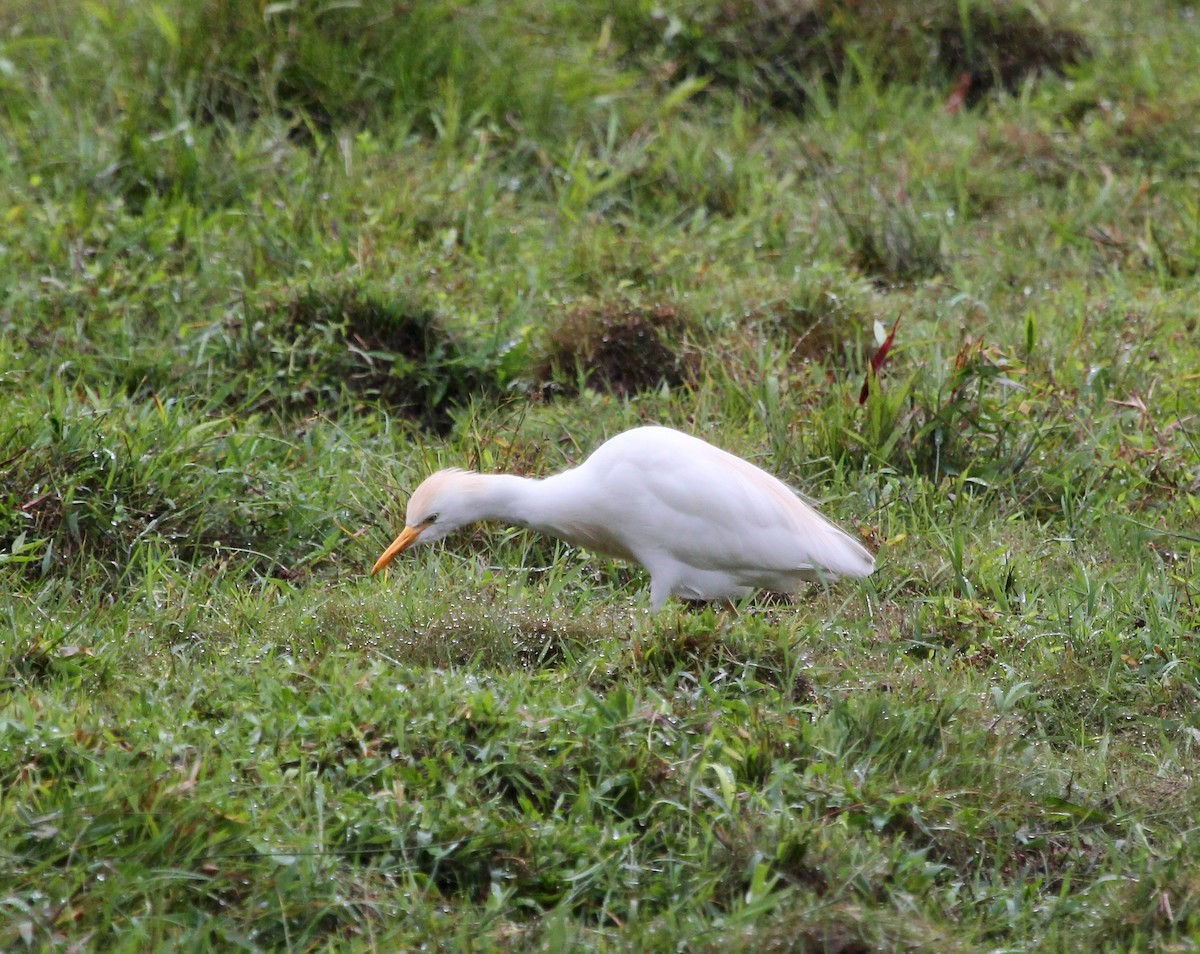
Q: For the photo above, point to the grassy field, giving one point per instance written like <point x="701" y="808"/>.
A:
<point x="263" y="267"/>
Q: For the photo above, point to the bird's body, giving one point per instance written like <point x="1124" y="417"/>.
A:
<point x="706" y="525"/>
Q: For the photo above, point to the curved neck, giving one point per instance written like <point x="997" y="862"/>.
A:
<point x="553" y="505"/>
<point x="504" y="498"/>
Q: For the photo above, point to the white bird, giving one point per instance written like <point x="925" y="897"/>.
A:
<point x="706" y="525"/>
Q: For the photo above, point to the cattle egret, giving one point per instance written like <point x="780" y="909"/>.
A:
<point x="705" y="524"/>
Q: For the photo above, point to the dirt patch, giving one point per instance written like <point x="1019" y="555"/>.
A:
<point x="314" y="342"/>
<point x="773" y="51"/>
<point x="617" y="347"/>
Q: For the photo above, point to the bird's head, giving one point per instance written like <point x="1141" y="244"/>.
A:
<point x="439" y="506"/>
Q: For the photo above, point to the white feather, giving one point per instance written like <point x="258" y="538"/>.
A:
<point x="705" y="524"/>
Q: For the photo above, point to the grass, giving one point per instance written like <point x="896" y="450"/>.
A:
<point x="263" y="270"/>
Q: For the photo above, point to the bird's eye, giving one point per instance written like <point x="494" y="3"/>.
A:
<point x="432" y="518"/>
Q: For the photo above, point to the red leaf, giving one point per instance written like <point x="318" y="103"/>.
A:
<point x="877" y="361"/>
<point x="958" y="96"/>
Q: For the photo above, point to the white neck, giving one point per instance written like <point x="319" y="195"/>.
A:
<point x="518" y="501"/>
<point x="552" y="506"/>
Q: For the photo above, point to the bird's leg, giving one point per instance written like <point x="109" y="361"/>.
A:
<point x="660" y="592"/>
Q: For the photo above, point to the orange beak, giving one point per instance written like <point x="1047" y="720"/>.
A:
<point x="399" y="545"/>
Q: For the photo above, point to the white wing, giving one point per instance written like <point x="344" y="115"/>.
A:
<point x="708" y="509"/>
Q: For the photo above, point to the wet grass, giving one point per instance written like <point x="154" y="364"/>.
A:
<point x="261" y="274"/>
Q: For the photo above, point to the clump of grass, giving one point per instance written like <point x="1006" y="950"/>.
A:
<point x="429" y="66"/>
<point x="773" y="51"/>
<point x="1035" y="151"/>
<point x="1002" y="45"/>
<point x="820" y="319"/>
<point x="97" y="486"/>
<point x="1153" y="129"/>
<point x="766" y="51"/>
<point x="889" y="239"/>
<point x="1170" y="243"/>
<point x="616" y="346"/>
<point x="957" y="423"/>
<point x="304" y="346"/>
<point x="337" y="65"/>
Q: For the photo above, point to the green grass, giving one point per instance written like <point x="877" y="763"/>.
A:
<point x="261" y="270"/>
